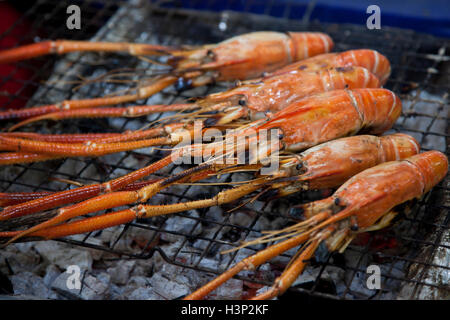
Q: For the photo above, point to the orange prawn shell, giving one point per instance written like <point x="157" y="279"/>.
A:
<point x="372" y="60"/>
<point x="250" y="55"/>
<point x="375" y="191"/>
<point x="352" y="155"/>
<point x="275" y="93"/>
<point x="315" y="119"/>
<point x="381" y="108"/>
<point x="433" y="166"/>
<point x="335" y="114"/>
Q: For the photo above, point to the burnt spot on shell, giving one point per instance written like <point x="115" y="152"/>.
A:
<point x="302" y="67"/>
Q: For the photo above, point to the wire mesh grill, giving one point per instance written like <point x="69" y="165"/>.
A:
<point x="420" y="75"/>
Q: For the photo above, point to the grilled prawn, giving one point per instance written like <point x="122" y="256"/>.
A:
<point x="242" y="57"/>
<point x="301" y="125"/>
<point x="234" y="106"/>
<point x="366" y="202"/>
<point x="269" y="93"/>
<point x="370" y="59"/>
<point x="325" y="166"/>
<point x="254" y="98"/>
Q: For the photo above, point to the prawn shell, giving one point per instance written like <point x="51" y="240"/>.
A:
<point x="250" y="55"/>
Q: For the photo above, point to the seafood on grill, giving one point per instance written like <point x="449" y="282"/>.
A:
<point x="271" y="96"/>
<point x="366" y="202"/>
<point x="332" y="115"/>
<point x="367" y="58"/>
<point x="327" y="165"/>
<point x="316" y="173"/>
<point x="235" y="106"/>
<point x="252" y="99"/>
<point x="270" y="93"/>
<point x="301" y="125"/>
<point x="12" y="198"/>
<point x="242" y="57"/>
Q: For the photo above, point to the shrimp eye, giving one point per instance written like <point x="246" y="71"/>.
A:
<point x="242" y="102"/>
<point x="210" y="54"/>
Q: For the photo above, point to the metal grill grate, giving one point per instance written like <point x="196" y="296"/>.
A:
<point x="420" y="75"/>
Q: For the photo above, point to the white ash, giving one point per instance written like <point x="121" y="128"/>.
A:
<point x="91" y="288"/>
<point x="64" y="256"/>
<point x="20" y="257"/>
<point x="95" y="287"/>
<point x="27" y="283"/>
<point x="358" y="286"/>
<point x="182" y="225"/>
<point x="130" y="241"/>
<point x="242" y="218"/>
<point x="309" y="275"/>
<point x="231" y="290"/>
<point x="169" y="288"/>
<point x="215" y="214"/>
<point x="120" y="273"/>
<point x="51" y="273"/>
<point x="143" y="294"/>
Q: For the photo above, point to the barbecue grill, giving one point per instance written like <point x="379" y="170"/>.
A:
<point x="413" y="254"/>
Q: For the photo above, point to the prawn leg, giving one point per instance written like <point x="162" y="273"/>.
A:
<point x="82" y="193"/>
<point x="113" y="112"/>
<point x="65" y="46"/>
<point x="142" y="92"/>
